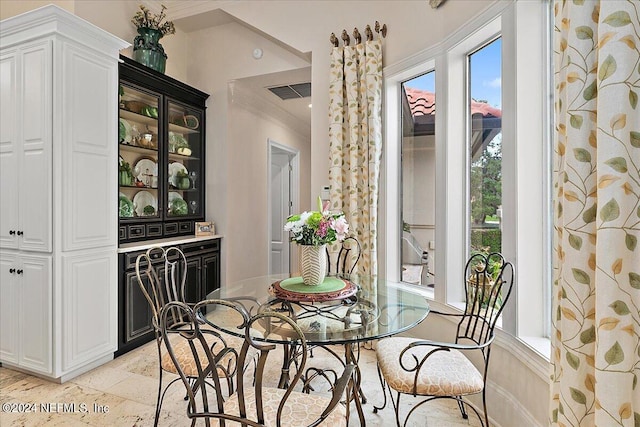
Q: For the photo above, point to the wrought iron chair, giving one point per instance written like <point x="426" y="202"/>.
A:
<point x="161" y="274"/>
<point x="440" y="370"/>
<point x="253" y="403"/>
<point x="347" y="258"/>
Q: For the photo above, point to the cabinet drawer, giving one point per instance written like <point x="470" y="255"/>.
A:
<point x="122" y="233"/>
<point x="154" y="230"/>
<point x="130" y="258"/>
<point x="170" y="228"/>
<point x="136" y="231"/>
<point x="200" y="247"/>
<point x="186" y="227"/>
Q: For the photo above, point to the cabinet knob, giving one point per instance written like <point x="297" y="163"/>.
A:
<point x="12" y="232"/>
<point x="20" y="233"/>
<point x="19" y="271"/>
<point x="12" y="270"/>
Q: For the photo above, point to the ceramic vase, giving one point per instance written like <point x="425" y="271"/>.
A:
<point x="313" y="264"/>
<point x="147" y="49"/>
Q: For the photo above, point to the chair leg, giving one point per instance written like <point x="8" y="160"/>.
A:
<point x="158" y="400"/>
<point x="463" y="410"/>
<point x="484" y="405"/>
<point x="384" y="392"/>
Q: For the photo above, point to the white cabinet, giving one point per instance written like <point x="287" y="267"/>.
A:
<point x="25" y="303"/>
<point x="25" y="148"/>
<point x="58" y="166"/>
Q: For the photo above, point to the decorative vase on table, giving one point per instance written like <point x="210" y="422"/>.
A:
<point x="313" y="264"/>
<point x="147" y="49"/>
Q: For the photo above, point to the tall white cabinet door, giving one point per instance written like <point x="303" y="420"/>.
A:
<point x="9" y="287"/>
<point x="89" y="152"/>
<point x="35" y="161"/>
<point x="9" y="147"/>
<point x="35" y="314"/>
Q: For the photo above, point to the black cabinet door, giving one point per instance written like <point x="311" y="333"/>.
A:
<point x="135" y="315"/>
<point x="192" y="287"/>
<point x="210" y="273"/>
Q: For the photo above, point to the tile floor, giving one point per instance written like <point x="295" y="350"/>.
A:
<point x="126" y="387"/>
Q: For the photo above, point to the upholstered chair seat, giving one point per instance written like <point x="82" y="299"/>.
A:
<point x="445" y="373"/>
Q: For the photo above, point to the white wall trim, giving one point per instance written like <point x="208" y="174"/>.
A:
<point x="266" y="109"/>
<point x="526" y="419"/>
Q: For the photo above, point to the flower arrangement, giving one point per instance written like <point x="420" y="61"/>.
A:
<point x="145" y="19"/>
<point x="317" y="227"/>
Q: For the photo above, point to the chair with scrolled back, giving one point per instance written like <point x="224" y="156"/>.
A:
<point x="438" y="370"/>
<point x="346" y="259"/>
<point x="161" y="273"/>
<point x="254" y="403"/>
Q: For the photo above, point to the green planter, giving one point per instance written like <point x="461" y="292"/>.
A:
<point x="147" y="49"/>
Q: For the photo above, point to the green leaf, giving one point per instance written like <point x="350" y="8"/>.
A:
<point x="582" y="155"/>
<point x="578" y="396"/>
<point x="620" y="307"/>
<point x="583" y="32"/>
<point x="631" y="241"/>
<point x="554" y="416"/>
<point x="576" y="121"/>
<point x="560" y="210"/>
<point x="589" y="215"/>
<point x="607" y="68"/>
<point x="635" y="382"/>
<point x="560" y="408"/>
<point x="618" y="19"/>
<point x="619" y="164"/>
<point x="581" y="276"/>
<point x="610" y="211"/>
<point x="578" y="2"/>
<point x="575" y="241"/>
<point x="588" y="336"/>
<point x="634" y="280"/>
<point x="590" y="92"/>
<point x="614" y="355"/>
<point x="573" y="360"/>
<point x="633" y="99"/>
<point x="636" y="419"/>
<point x="635" y="138"/>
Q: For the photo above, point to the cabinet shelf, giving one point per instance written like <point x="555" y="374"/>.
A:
<point x="138" y="118"/>
<point x="135" y="187"/>
<point x="137" y="149"/>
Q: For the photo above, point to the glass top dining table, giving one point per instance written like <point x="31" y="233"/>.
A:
<point x="352" y="310"/>
<point x="364" y="309"/>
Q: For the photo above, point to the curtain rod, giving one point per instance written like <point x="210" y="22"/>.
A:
<point x="346" y="40"/>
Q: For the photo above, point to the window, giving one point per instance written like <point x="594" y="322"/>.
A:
<point x="485" y="149"/>
<point x="490" y="170"/>
<point x="418" y="106"/>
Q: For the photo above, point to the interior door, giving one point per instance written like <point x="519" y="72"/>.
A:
<point x="281" y="202"/>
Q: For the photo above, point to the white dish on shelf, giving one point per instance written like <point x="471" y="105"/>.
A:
<point x="146" y="170"/>
<point x="143" y="199"/>
<point x="174" y="168"/>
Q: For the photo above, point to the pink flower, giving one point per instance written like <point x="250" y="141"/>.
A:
<point x="322" y="228"/>
<point x="341" y="227"/>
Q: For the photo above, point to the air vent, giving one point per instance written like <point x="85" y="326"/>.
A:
<point x="300" y="90"/>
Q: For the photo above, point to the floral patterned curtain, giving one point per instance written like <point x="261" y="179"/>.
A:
<point x="355" y="141"/>
<point x="596" y="308"/>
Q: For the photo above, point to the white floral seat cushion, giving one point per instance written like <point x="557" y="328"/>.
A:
<point x="301" y="409"/>
<point x="445" y="373"/>
<point x="183" y="353"/>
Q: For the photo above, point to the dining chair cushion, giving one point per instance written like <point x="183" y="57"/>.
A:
<point x="445" y="373"/>
<point x="184" y="355"/>
<point x="301" y="409"/>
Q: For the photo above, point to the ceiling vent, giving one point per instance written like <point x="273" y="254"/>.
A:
<point x="300" y="90"/>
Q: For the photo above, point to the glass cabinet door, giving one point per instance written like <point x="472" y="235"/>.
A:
<point x="185" y="154"/>
<point x="138" y="164"/>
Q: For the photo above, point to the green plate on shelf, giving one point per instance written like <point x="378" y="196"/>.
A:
<point x="125" y="207"/>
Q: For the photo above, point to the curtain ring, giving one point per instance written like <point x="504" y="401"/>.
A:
<point x="345" y="38"/>
<point x="334" y="40"/>
<point x="368" y="33"/>
<point x="356" y="36"/>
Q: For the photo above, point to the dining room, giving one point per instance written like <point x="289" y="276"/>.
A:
<point x="284" y="169"/>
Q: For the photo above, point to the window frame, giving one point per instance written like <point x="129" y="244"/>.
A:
<point x="526" y="122"/>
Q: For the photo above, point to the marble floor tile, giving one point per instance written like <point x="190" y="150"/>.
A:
<point x="123" y="393"/>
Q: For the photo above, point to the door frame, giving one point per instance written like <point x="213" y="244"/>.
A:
<point x="294" y="154"/>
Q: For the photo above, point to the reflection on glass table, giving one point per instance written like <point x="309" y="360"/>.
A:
<point x="376" y="309"/>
